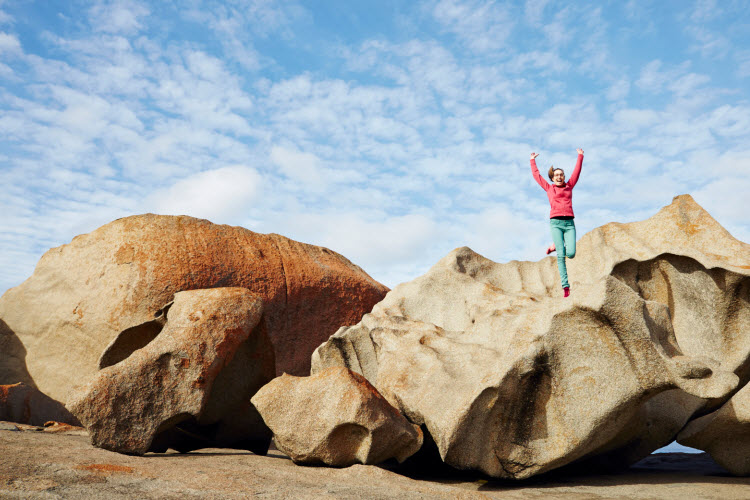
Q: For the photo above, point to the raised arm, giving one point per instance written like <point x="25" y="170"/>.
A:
<point x="577" y="170"/>
<point x="535" y="172"/>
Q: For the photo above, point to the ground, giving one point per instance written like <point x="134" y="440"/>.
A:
<point x="37" y="464"/>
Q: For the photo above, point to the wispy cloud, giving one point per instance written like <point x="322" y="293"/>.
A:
<point x="9" y="44"/>
<point x="392" y="148"/>
<point x="481" y="24"/>
<point x="237" y="24"/>
<point x="534" y="11"/>
<point x="118" y="16"/>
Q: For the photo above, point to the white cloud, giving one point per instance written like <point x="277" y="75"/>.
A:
<point x="118" y="16"/>
<point x="704" y="11"/>
<point x="376" y="243"/>
<point x="635" y="118"/>
<point x="559" y="31"/>
<point x="482" y="24"/>
<point x="237" y="22"/>
<point x="266" y="17"/>
<point x="730" y="121"/>
<point x="708" y="43"/>
<point x="544" y="62"/>
<point x="230" y="28"/>
<point x="392" y="150"/>
<point x="743" y="63"/>
<point x="651" y="79"/>
<point x="641" y="15"/>
<point x="687" y="84"/>
<point x="534" y="11"/>
<point x="689" y="89"/>
<point x="222" y="195"/>
<point x="725" y="199"/>
<point x="9" y="44"/>
<point x="618" y="90"/>
<point x="502" y="234"/>
<point x="302" y="168"/>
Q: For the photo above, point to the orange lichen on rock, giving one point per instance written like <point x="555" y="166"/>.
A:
<point x="189" y="387"/>
<point x="60" y="427"/>
<point x="105" y="469"/>
<point x="125" y="271"/>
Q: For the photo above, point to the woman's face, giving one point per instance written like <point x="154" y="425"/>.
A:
<point x="558" y="177"/>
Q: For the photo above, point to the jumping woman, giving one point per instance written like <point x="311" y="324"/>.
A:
<point x="560" y="194"/>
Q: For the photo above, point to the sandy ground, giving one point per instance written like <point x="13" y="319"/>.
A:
<point x="37" y="464"/>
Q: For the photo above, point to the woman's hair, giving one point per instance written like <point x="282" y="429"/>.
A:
<point x="552" y="172"/>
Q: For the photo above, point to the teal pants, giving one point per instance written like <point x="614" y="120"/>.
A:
<point x="564" y="238"/>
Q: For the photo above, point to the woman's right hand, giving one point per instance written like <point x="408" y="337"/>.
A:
<point x="534" y="155"/>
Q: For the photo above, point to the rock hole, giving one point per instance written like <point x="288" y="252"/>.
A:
<point x="133" y="338"/>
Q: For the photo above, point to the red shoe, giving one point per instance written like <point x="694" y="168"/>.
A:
<point x="566" y="291"/>
<point x="551" y="249"/>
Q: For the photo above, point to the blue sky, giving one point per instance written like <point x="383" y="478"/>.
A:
<point x="389" y="131"/>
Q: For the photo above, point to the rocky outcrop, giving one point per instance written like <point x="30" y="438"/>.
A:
<point x="190" y="386"/>
<point x="25" y="404"/>
<point x="84" y="294"/>
<point x="335" y="418"/>
<point x="12" y="358"/>
<point x="512" y="379"/>
<point x="724" y="434"/>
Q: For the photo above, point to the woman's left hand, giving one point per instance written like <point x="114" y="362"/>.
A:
<point x="580" y="151"/>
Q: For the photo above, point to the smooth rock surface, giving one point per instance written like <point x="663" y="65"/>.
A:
<point x="84" y="294"/>
<point x="724" y="434"/>
<point x="25" y="404"/>
<point x="190" y="387"/>
<point x="335" y="417"/>
<point x="511" y="379"/>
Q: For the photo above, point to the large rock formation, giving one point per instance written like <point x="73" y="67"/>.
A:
<point x="12" y="359"/>
<point x="512" y="379"/>
<point x="25" y="404"/>
<point x="724" y="434"/>
<point x="335" y="417"/>
<point x="189" y="387"/>
<point x="84" y="294"/>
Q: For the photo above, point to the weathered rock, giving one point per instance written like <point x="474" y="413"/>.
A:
<point x="335" y="417"/>
<point x="12" y="358"/>
<point x="190" y="386"/>
<point x="724" y="434"/>
<point x="511" y="379"/>
<point x="25" y="404"/>
<point x="84" y="294"/>
<point x="54" y="427"/>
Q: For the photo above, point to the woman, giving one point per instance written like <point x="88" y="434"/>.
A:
<point x="560" y="194"/>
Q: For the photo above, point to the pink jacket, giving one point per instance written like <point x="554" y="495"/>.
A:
<point x="560" y="198"/>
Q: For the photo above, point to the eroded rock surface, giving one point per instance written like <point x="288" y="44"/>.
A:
<point x="511" y="379"/>
<point x="335" y="417"/>
<point x="84" y="294"/>
<point x="724" y="434"/>
<point x="25" y="404"/>
<point x="190" y="386"/>
<point x="12" y="358"/>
